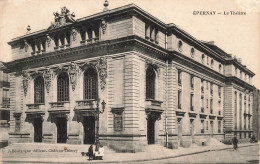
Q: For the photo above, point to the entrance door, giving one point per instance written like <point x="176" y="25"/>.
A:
<point x="211" y="128"/>
<point x="192" y="129"/>
<point x="37" y="129"/>
<point x="150" y="130"/>
<point x="89" y="129"/>
<point x="61" y="129"/>
<point x="179" y="130"/>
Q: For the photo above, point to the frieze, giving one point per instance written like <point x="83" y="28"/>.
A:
<point x="102" y="71"/>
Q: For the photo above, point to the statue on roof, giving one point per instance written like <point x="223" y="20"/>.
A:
<point x="62" y="18"/>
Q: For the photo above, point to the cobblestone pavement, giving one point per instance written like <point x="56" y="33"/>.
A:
<point x="242" y="155"/>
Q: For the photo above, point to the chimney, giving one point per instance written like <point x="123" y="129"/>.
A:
<point x="239" y="60"/>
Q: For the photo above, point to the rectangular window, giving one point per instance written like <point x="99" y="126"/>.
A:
<point x="179" y="77"/>
<point x="207" y="125"/>
<point x="249" y="123"/>
<point x="179" y="99"/>
<point x="219" y="126"/>
<point x="219" y="92"/>
<point x="202" y="86"/>
<point x="191" y="82"/>
<point x="191" y="102"/>
<point x="244" y="123"/>
<point x="211" y="106"/>
<point x="241" y="74"/>
<point x="207" y="102"/>
<point x="118" y="121"/>
<point x="211" y="88"/>
<point x="207" y="85"/>
<point x="202" y="102"/>
<point x="202" y="126"/>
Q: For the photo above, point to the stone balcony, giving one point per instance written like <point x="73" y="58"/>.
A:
<point x="59" y="107"/>
<point x="86" y="105"/>
<point x="35" y="108"/>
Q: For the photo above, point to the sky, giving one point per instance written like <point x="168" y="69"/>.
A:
<point x="236" y="34"/>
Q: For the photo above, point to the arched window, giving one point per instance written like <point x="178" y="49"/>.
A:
<point x="90" y="84"/>
<point x="150" y="83"/>
<point x="39" y="90"/>
<point x="63" y="87"/>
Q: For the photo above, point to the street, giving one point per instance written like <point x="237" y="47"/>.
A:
<point x="242" y="155"/>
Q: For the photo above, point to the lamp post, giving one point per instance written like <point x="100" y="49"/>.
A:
<point x="97" y="113"/>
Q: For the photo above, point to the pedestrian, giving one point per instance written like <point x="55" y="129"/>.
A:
<point x="90" y="152"/>
<point x="235" y="141"/>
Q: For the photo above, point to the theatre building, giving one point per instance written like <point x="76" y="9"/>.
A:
<point x="126" y="79"/>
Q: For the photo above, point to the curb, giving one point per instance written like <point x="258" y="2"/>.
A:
<point x="138" y="160"/>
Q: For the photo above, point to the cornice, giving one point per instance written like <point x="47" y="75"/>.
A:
<point x="239" y="82"/>
<point x="239" y="65"/>
<point x="108" y="47"/>
<point x="198" y="44"/>
<point x="182" y="59"/>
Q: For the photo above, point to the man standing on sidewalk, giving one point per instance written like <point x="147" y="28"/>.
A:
<point x="235" y="141"/>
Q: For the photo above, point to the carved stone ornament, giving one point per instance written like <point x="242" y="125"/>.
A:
<point x="47" y="75"/>
<point x="26" y="78"/>
<point x="102" y="71"/>
<point x="103" y="26"/>
<point x="60" y="69"/>
<point x="48" y="40"/>
<point x="36" y="73"/>
<point x="63" y="18"/>
<point x="73" y="73"/>
<point x="153" y="65"/>
<point x="153" y="115"/>
<point x="26" y="45"/>
<point x="74" y="34"/>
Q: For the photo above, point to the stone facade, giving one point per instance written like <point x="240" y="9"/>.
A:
<point x="155" y="84"/>
<point x="256" y="115"/>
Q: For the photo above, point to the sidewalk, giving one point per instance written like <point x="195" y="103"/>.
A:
<point x="151" y="153"/>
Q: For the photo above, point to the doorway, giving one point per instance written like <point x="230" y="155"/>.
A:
<point x="179" y="121"/>
<point x="151" y="130"/>
<point x="37" y="124"/>
<point x="61" y="129"/>
<point x="192" y="129"/>
<point x="89" y="129"/>
<point x="211" y="128"/>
